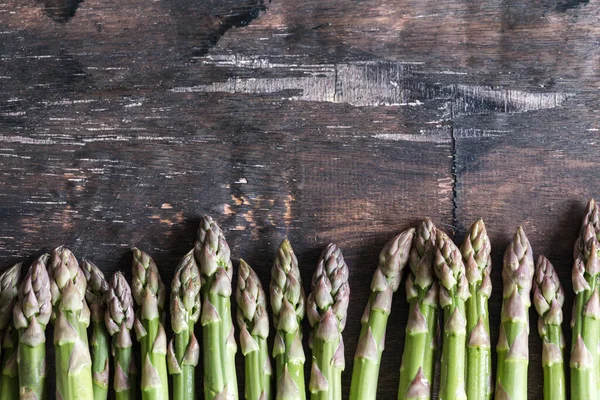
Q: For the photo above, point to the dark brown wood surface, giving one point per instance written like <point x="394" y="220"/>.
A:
<point x="121" y="123"/>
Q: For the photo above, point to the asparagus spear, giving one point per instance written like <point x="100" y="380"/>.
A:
<point x="149" y="293"/>
<point x="454" y="292"/>
<point x="416" y="371"/>
<point x="590" y="230"/>
<point x="9" y="281"/>
<point x="184" y="351"/>
<point x="548" y="298"/>
<point x="30" y="316"/>
<point x="327" y="312"/>
<point x="386" y="279"/>
<point x="9" y="380"/>
<point x="71" y="318"/>
<point x="100" y="339"/>
<point x="478" y="263"/>
<point x="586" y="311"/>
<point x="288" y="305"/>
<point x="119" y="318"/>
<point x="253" y="321"/>
<point x="213" y="257"/>
<point x="512" y="348"/>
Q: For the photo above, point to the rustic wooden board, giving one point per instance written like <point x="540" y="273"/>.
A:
<point x="121" y="123"/>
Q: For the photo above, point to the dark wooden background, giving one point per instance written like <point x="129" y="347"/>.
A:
<point x="122" y="122"/>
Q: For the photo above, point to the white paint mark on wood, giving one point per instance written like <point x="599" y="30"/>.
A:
<point x="367" y="83"/>
<point x="424" y="136"/>
<point x="473" y="133"/>
<point x="24" y="140"/>
<point x="506" y="100"/>
<point x="358" y="84"/>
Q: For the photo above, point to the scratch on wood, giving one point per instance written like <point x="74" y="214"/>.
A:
<point x="368" y="83"/>
<point x="473" y="133"/>
<point x="425" y="136"/>
<point x="469" y="100"/>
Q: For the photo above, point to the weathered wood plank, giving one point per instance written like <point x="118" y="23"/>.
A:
<point x="122" y="122"/>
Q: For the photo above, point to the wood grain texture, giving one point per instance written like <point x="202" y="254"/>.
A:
<point x="121" y="123"/>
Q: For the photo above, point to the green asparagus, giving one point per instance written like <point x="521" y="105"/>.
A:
<point x="548" y="299"/>
<point x="586" y="312"/>
<point x="253" y="322"/>
<point x="149" y="293"/>
<point x="288" y="305"/>
<point x="31" y="314"/>
<point x="184" y="351"/>
<point x="416" y="370"/>
<point x="454" y="292"/>
<point x="213" y="257"/>
<point x="512" y="348"/>
<point x="386" y="279"/>
<point x="97" y="287"/>
<point x="478" y="263"/>
<point x="71" y="318"/>
<point x="327" y="308"/>
<point x="119" y="318"/>
<point x="9" y="287"/>
<point x="9" y="379"/>
<point x="590" y="230"/>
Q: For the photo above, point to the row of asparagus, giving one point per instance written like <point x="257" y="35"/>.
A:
<point x="440" y="276"/>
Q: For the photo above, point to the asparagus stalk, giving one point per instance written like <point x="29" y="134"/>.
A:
<point x="288" y="305"/>
<point x="97" y="287"/>
<point x="512" y="348"/>
<point x="9" y="288"/>
<point x="119" y="318"/>
<point x="149" y="293"/>
<point x="184" y="351"/>
<point x="478" y="263"/>
<point x="31" y="314"/>
<point x="454" y="292"/>
<point x="590" y="230"/>
<point x="548" y="298"/>
<point x="586" y="312"/>
<point x="327" y="312"/>
<point x="71" y="318"/>
<point x="416" y="370"/>
<point x="213" y="257"/>
<point x="253" y="321"/>
<point x="9" y="380"/>
<point x="386" y="279"/>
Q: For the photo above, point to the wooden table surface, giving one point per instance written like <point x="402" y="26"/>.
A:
<point x="122" y="122"/>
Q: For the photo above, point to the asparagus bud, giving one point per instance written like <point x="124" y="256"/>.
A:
<point x="416" y="371"/>
<point x="386" y="279"/>
<point x="213" y="258"/>
<point x="71" y="318"/>
<point x="454" y="292"/>
<point x="288" y="305"/>
<point x="31" y="314"/>
<point x="512" y="348"/>
<point x="149" y="293"/>
<point x="478" y="263"/>
<point x="253" y="321"/>
<point x="548" y="299"/>
<point x="100" y="340"/>
<point x="119" y="319"/>
<point x="184" y="350"/>
<point x="327" y="313"/>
